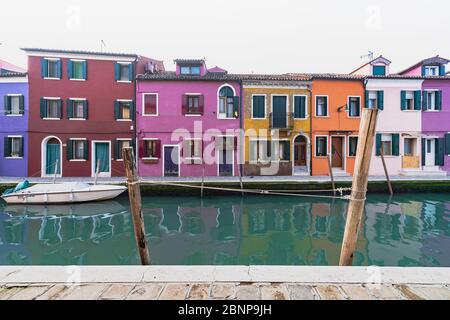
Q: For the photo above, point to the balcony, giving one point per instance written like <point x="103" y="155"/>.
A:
<point x="282" y="121"/>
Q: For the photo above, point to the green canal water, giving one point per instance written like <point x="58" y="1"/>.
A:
<point x="408" y="230"/>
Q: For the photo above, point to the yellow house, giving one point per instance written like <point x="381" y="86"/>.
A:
<point x="277" y="125"/>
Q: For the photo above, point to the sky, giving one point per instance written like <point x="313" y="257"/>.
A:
<point x="242" y="36"/>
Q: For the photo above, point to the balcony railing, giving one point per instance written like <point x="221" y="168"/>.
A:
<point x="281" y="121"/>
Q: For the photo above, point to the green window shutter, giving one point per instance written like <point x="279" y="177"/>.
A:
<point x="424" y="145"/>
<point x="44" y="68"/>
<point x="59" y="108"/>
<point x="69" y="106"/>
<point x="59" y="69"/>
<point x="287" y="151"/>
<point x="403" y="100"/>
<point x="366" y="101"/>
<point x="69" y="149"/>
<point x="380" y="100"/>
<point x="22" y="147"/>
<point x="7" y="104"/>
<point x="7" y="147"/>
<point x="132" y="110"/>
<point x="300" y="107"/>
<point x="447" y="144"/>
<point x="22" y="104"/>
<point x="131" y="72"/>
<point x="116" y="149"/>
<point x="258" y="111"/>
<point x="438" y="100"/>
<point x="442" y="70"/>
<point x="86" y="109"/>
<point x="378" y="144"/>
<point x="117" y="71"/>
<point x="84" y="70"/>
<point x="268" y="148"/>
<point x="116" y="110"/>
<point x="417" y="99"/>
<point x="395" y="144"/>
<point x="423" y="71"/>
<point x="70" y="69"/>
<point x="43" y="108"/>
<point x="424" y="101"/>
<point x="236" y="107"/>
<point x="86" y="150"/>
<point x="439" y="152"/>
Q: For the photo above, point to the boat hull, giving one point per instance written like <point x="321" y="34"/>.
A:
<point x="63" y="196"/>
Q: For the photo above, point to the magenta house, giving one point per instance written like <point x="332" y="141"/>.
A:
<point x="187" y="121"/>
<point x="435" y="112"/>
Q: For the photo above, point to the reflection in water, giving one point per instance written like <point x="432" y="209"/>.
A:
<point x="404" y="230"/>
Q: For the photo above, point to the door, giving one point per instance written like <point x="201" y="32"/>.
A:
<point x="337" y="160"/>
<point x="53" y="157"/>
<point x="171" y="161"/>
<point x="225" y="156"/>
<point x="430" y="152"/>
<point x="102" y="159"/>
<point x="300" y="152"/>
<point x="279" y="112"/>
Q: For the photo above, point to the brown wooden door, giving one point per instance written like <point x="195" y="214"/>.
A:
<point x="336" y="152"/>
<point x="300" y="153"/>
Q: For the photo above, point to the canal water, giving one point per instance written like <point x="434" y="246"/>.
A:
<point x="407" y="230"/>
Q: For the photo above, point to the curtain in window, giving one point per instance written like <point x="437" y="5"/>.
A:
<point x="53" y="156"/>
<point x="102" y="156"/>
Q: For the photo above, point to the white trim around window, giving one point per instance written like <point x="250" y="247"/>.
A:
<point x="315" y="145"/>
<point x="348" y="145"/>
<point x="123" y="139"/>
<point x="16" y="114"/>
<point x="151" y="139"/>
<point x="360" y="107"/>
<point x="265" y="105"/>
<point x="218" y="101"/>
<point x="23" y="141"/>
<point x="78" y="160"/>
<point x="306" y="106"/>
<point x="52" y="59"/>
<point x="287" y="105"/>
<point x="143" y="104"/>
<point x="315" y="105"/>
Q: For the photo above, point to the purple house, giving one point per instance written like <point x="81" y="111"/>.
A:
<point x="188" y="121"/>
<point x="435" y="112"/>
<point x="13" y="123"/>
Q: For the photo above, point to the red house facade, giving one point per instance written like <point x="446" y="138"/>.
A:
<point x="82" y="111"/>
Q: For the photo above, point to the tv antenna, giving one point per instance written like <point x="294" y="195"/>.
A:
<point x="102" y="45"/>
<point x="369" y="55"/>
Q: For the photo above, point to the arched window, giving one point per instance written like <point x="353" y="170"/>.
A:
<point x="228" y="103"/>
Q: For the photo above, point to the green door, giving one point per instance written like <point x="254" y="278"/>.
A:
<point x="53" y="158"/>
<point x="102" y="157"/>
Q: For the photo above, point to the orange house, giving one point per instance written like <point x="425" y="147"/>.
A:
<point x="337" y="102"/>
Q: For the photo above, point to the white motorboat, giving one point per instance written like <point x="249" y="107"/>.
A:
<point x="67" y="192"/>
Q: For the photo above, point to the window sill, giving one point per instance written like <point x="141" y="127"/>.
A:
<point x="193" y="115"/>
<point x="77" y="160"/>
<point x="51" y="118"/>
<point x="48" y="78"/>
<point x="225" y="118"/>
<point x="14" y="115"/>
<point x="149" y="159"/>
<point x="301" y="118"/>
<point x="124" y="81"/>
<point x="124" y="120"/>
<point x="149" y="115"/>
<point x="263" y="118"/>
<point x="354" y="117"/>
<point x="78" y="79"/>
<point x="77" y="119"/>
<point x="432" y="111"/>
<point x="410" y="110"/>
<point x="14" y="158"/>
<point x="321" y="116"/>
<point x="322" y="157"/>
<point x="390" y="156"/>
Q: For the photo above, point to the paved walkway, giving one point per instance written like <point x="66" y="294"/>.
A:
<point x="227" y="282"/>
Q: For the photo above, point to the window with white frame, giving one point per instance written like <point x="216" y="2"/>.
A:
<point x="260" y="150"/>
<point x="409" y="98"/>
<point x="14" y="105"/>
<point x="120" y="145"/>
<point x="431" y="100"/>
<point x="227" y="103"/>
<point x="321" y="106"/>
<point x="190" y="70"/>
<point x="354" y="108"/>
<point x="150" y="101"/>
<point x="152" y="149"/>
<point x="409" y="146"/>
<point x="373" y="97"/>
<point x="321" y="146"/>
<point x="78" y="109"/>
<point x="124" y="71"/>
<point x="192" y="149"/>
<point x="53" y="109"/>
<point x="431" y="70"/>
<point x="386" y="144"/>
<point x="13" y="147"/>
<point x="53" y="68"/>
<point x="352" y="146"/>
<point x="280" y="150"/>
<point x="258" y="106"/>
<point x="78" y="149"/>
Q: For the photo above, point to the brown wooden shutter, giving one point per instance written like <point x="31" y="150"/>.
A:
<point x="184" y="104"/>
<point x="201" y="104"/>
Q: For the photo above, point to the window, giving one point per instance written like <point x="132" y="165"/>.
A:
<point x="280" y="150"/>
<point x="190" y="70"/>
<point x="13" y="147"/>
<point x="321" y="146"/>
<point x="431" y="100"/>
<point x="150" y="104"/>
<point x="192" y="149"/>
<point x="409" y="105"/>
<point x="78" y="150"/>
<point x="53" y="111"/>
<point x="152" y="149"/>
<point x="379" y="70"/>
<point x="372" y="100"/>
<point x="386" y="144"/>
<point x="120" y="145"/>
<point x="14" y="105"/>
<point x="77" y="69"/>
<point x="354" y="108"/>
<point x="228" y="103"/>
<point x="124" y="110"/>
<point x="410" y="147"/>
<point x="51" y="68"/>
<point x="431" y="70"/>
<point x="300" y="107"/>
<point x="260" y="150"/>
<point x="352" y="146"/>
<point x="76" y="109"/>
<point x="193" y="104"/>
<point x="321" y="106"/>
<point x="258" y="106"/>
<point x="124" y="71"/>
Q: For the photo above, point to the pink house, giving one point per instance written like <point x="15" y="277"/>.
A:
<point x="188" y="121"/>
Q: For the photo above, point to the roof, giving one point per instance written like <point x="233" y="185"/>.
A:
<point x="380" y="57"/>
<point x="406" y="77"/>
<point x="220" y="76"/>
<point x="81" y="52"/>
<point x="217" y="70"/>
<point x="13" y="74"/>
<point x="9" y="67"/>
<point x="329" y="76"/>
<point x="189" y="61"/>
<point x="432" y="60"/>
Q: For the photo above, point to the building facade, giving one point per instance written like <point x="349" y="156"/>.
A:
<point x="277" y="125"/>
<point x="188" y="121"/>
<point x="13" y="124"/>
<point x="337" y="102"/>
<point x="81" y="111"/>
<point x="435" y="113"/>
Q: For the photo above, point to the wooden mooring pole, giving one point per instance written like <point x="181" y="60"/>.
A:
<point x="391" y="191"/>
<point x="134" y="193"/>
<point x="359" y="185"/>
<point x="330" y="171"/>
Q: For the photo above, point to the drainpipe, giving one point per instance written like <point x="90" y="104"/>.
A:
<point x="241" y="124"/>
<point x="136" y="142"/>
<point x="310" y="131"/>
